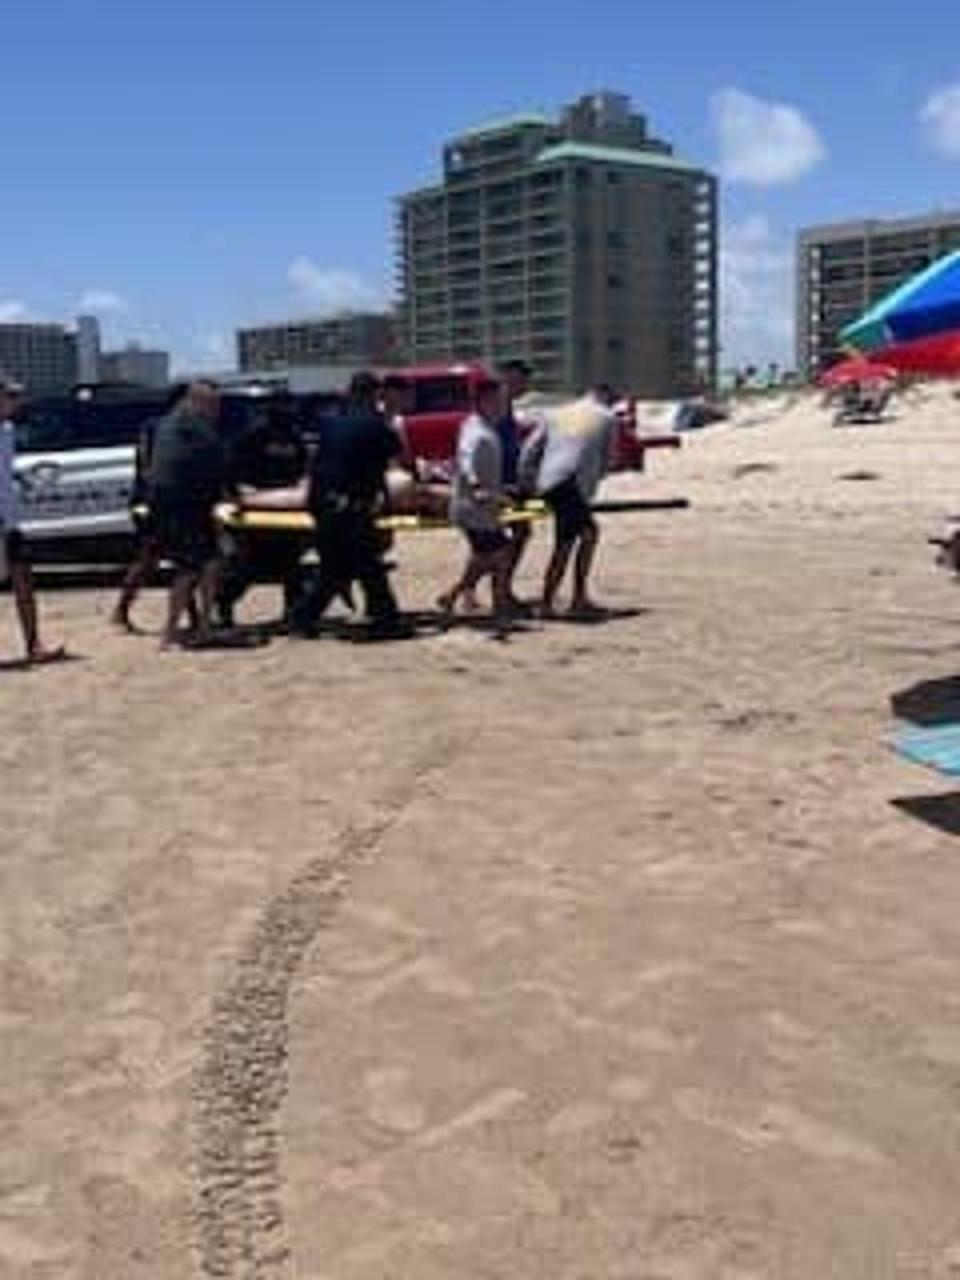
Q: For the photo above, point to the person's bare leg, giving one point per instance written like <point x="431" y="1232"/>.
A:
<point x="137" y="577"/>
<point x="207" y="593"/>
<point x="464" y="588"/>
<point x="503" y="611"/>
<point x="468" y="592"/>
<point x="519" y="541"/>
<point x="586" y="553"/>
<point x="556" y="570"/>
<point x="178" y="603"/>
<point x="26" y="602"/>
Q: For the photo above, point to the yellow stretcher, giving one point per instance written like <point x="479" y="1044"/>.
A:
<point x="231" y="516"/>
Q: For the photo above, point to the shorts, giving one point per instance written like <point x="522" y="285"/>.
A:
<point x="486" y="542"/>
<point x="186" y="536"/>
<point x="15" y="547"/>
<point x="144" y="525"/>
<point x="571" y="511"/>
<point x="13" y="553"/>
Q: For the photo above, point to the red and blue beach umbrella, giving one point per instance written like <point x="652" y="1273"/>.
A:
<point x="917" y="327"/>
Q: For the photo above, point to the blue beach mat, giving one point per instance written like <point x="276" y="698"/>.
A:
<point x="936" y="748"/>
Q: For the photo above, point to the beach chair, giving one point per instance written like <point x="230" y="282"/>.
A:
<point x="861" y="405"/>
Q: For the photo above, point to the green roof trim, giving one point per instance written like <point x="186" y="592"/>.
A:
<point x="614" y="155"/>
<point x="527" y="120"/>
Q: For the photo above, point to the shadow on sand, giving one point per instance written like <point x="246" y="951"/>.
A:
<point x="20" y="666"/>
<point x="931" y="702"/>
<point x="940" y="812"/>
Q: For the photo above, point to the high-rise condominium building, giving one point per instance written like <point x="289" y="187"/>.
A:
<point x="137" y="366"/>
<point x="581" y="244"/>
<point x="844" y="268"/>
<point x="41" y="356"/>
<point x="354" y="339"/>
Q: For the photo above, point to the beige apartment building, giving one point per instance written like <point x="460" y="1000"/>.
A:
<point x="352" y="339"/>
<point x="581" y="244"/>
<point x="844" y="268"/>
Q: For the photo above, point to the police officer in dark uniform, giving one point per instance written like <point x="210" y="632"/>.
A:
<point x="347" y="486"/>
<point x="270" y="454"/>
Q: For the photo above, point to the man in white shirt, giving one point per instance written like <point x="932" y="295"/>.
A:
<point x="564" y="461"/>
<point x="476" y="502"/>
<point x="13" y="561"/>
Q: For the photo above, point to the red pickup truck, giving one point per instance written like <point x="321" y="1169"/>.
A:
<point x="442" y="396"/>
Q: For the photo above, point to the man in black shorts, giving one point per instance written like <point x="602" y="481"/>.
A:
<point x="347" y="486"/>
<point x="187" y="477"/>
<point x="147" y="548"/>
<point x="13" y="558"/>
<point x="564" y="461"/>
<point x="270" y="454"/>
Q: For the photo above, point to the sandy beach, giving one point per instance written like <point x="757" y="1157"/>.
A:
<point x="615" y="952"/>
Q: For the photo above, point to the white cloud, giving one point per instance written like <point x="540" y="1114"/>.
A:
<point x="331" y="289"/>
<point x="209" y="352"/>
<point x="940" y="118"/>
<point x="756" y="291"/>
<point x="763" y="144"/>
<point x="103" y="302"/>
<point x="217" y="347"/>
<point x="12" y="310"/>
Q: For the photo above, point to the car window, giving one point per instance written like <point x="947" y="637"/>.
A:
<point x="45" y="428"/>
<point x="59" y="426"/>
<point x="440" y="395"/>
<point x="104" y="426"/>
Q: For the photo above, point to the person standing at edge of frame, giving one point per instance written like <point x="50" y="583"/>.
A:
<point x="13" y="552"/>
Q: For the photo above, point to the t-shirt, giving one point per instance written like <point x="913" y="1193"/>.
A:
<point x="269" y="456"/>
<point x="352" y="456"/>
<point x="9" y="503"/>
<point x="140" y="491"/>
<point x="478" y="465"/>
<point x="574" y="442"/>
<point x="188" y="464"/>
<point x="508" y="432"/>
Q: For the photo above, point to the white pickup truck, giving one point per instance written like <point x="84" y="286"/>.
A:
<point x="76" y="465"/>
<point x="75" y="469"/>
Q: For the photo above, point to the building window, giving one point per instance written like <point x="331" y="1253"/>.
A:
<point x="614" y="281"/>
<point x="613" y="178"/>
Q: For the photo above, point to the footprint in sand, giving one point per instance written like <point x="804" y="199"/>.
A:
<point x="578" y="1118"/>
<point x="390" y="1105"/>
<point x="815" y="1138"/>
<point x="942" y="1046"/>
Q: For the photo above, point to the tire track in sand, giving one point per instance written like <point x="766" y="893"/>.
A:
<point x="242" y="1081"/>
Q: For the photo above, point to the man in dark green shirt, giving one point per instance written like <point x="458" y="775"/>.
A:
<point x="187" y="476"/>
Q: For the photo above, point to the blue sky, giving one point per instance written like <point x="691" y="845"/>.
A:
<point x="186" y="167"/>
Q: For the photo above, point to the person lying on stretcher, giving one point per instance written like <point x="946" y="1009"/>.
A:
<point x="404" y="496"/>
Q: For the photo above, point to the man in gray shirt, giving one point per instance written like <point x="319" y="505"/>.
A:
<point x="476" y="503"/>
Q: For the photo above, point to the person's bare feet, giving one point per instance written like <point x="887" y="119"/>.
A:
<point x="121" y="622"/>
<point x="586" y="608"/>
<point x="40" y="656"/>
